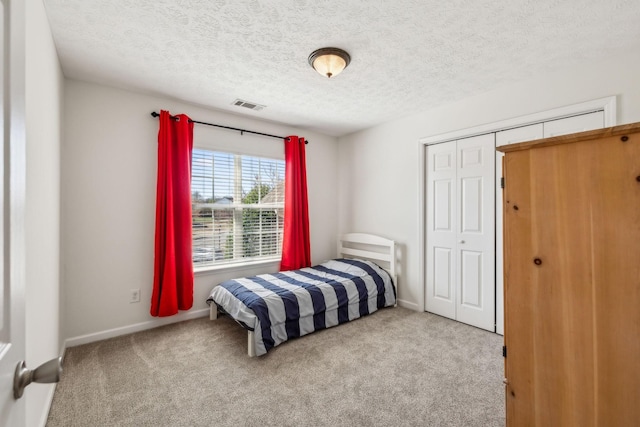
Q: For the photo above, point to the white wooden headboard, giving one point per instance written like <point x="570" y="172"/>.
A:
<point x="371" y="247"/>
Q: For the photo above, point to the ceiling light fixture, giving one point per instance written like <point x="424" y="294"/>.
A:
<point x="329" y="61"/>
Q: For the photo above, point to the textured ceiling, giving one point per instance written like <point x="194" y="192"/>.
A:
<point x="406" y="55"/>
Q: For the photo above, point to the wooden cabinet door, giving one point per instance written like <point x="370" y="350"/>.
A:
<point x="572" y="330"/>
<point x="615" y="219"/>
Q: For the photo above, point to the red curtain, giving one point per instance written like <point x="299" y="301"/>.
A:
<point x="296" y="252"/>
<point x="173" y="268"/>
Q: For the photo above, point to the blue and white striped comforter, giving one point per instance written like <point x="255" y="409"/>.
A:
<point x="291" y="304"/>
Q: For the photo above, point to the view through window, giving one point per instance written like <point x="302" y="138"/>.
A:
<point x="237" y="207"/>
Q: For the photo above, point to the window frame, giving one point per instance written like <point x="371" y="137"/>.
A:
<point x="238" y="209"/>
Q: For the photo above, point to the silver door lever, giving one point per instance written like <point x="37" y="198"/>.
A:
<point x="48" y="372"/>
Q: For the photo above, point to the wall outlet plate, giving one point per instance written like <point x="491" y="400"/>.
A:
<point x="134" y="296"/>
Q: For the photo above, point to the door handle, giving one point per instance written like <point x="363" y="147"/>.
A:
<point x="48" y="372"/>
<point x="461" y="241"/>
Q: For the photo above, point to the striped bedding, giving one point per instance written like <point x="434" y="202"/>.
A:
<point x="290" y="304"/>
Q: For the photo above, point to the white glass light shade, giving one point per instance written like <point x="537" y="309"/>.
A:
<point x="329" y="61"/>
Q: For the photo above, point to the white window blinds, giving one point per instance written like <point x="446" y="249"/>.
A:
<point x="238" y="207"/>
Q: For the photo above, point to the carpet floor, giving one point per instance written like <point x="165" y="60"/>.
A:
<point x="396" y="367"/>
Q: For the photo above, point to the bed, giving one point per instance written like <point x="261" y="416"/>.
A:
<point x="280" y="306"/>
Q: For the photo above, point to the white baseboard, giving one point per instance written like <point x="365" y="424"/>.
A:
<point x="410" y="305"/>
<point x="63" y="350"/>
<point x="124" y="330"/>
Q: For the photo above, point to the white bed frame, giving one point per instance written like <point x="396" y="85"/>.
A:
<point x="352" y="245"/>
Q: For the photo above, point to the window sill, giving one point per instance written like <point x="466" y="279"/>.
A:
<point x="212" y="269"/>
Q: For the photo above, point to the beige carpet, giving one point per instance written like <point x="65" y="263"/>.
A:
<point x="394" y="368"/>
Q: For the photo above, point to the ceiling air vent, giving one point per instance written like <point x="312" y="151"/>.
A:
<point x="250" y="105"/>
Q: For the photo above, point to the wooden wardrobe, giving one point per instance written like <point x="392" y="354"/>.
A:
<point x="572" y="279"/>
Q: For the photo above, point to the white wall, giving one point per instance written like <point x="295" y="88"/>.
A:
<point x="44" y="85"/>
<point x="109" y="159"/>
<point x="379" y="172"/>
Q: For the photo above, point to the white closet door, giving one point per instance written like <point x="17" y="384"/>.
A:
<point x="574" y="124"/>
<point x="511" y="136"/>
<point x="441" y="232"/>
<point x="476" y="231"/>
<point x="460" y="255"/>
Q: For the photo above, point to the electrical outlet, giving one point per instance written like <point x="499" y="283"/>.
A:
<point x="135" y="295"/>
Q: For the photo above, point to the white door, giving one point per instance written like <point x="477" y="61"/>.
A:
<point x="476" y="231"/>
<point x="12" y="166"/>
<point x="460" y="260"/>
<point x="441" y="229"/>
<point x="511" y="136"/>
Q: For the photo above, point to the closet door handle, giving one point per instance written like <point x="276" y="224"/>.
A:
<point x="461" y="241"/>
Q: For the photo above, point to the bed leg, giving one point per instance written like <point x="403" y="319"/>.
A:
<point x="251" y="344"/>
<point x="213" y="311"/>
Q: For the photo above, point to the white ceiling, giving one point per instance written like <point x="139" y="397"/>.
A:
<point x="406" y="55"/>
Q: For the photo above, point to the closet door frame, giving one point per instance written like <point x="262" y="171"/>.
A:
<point x="607" y="105"/>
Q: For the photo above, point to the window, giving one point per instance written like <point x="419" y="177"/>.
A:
<point x="237" y="208"/>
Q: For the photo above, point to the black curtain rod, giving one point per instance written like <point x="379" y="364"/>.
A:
<point x="154" y="114"/>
